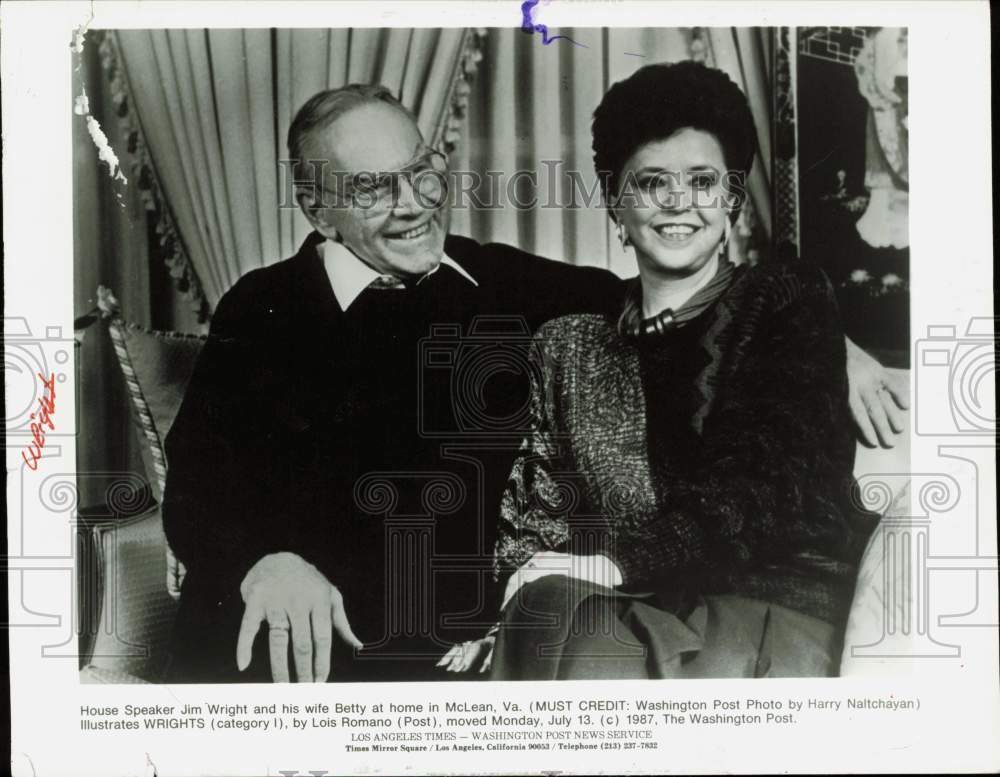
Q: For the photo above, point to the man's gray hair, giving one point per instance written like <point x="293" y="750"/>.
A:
<point x="323" y="108"/>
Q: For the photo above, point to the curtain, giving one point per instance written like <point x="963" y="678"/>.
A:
<point x="531" y="110"/>
<point x="215" y="106"/>
<point x="226" y="97"/>
<point x="109" y="247"/>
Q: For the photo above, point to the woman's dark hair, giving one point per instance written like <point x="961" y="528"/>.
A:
<point x="656" y="101"/>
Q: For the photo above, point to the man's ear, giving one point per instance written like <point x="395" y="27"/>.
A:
<point x="317" y="216"/>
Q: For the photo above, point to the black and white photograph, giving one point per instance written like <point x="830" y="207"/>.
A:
<point x="411" y="359"/>
<point x="528" y="466"/>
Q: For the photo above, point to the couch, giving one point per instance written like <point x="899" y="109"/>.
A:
<point x="135" y="584"/>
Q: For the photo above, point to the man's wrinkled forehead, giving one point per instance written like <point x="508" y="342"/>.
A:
<point x="371" y="138"/>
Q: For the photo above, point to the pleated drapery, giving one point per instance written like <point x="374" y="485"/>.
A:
<point x="215" y="105"/>
<point x="746" y="54"/>
<point x="531" y="109"/>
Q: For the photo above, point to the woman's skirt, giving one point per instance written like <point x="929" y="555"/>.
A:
<point x="561" y="628"/>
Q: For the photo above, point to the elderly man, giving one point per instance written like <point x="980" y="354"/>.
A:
<point x="308" y="495"/>
<point x="333" y="483"/>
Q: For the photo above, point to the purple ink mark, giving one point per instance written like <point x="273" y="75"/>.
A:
<point x="528" y="25"/>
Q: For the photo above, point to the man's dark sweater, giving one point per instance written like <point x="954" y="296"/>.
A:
<point x="353" y="439"/>
<point x="716" y="458"/>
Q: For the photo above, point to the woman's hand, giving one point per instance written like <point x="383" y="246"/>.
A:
<point x="878" y="398"/>
<point x="468" y="655"/>
<point x="175" y="575"/>
<point x="596" y="569"/>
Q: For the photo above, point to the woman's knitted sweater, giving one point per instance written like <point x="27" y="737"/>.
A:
<point x="716" y="458"/>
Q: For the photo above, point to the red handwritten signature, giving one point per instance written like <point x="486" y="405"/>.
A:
<point x="46" y="410"/>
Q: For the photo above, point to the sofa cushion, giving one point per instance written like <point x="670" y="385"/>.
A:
<point x="157" y="367"/>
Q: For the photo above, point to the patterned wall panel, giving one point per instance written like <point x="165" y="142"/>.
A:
<point x="785" y="175"/>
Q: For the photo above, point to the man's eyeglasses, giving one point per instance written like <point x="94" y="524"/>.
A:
<point x="374" y="194"/>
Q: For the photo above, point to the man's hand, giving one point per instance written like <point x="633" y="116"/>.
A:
<point x="298" y="603"/>
<point x="878" y="397"/>
<point x="597" y="569"/>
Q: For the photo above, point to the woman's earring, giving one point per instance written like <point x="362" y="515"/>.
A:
<point x="623" y="236"/>
<point x="727" y="231"/>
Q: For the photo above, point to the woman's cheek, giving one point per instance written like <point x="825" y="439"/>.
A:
<point x="639" y="219"/>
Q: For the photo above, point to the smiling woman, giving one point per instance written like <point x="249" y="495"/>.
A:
<point x="674" y="180"/>
<point x="709" y="427"/>
<point x="676" y="223"/>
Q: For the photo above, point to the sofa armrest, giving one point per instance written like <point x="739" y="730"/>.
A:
<point x="136" y="610"/>
<point x="883" y="594"/>
<point x="91" y="675"/>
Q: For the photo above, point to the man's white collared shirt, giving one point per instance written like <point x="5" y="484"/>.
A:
<point x="349" y="276"/>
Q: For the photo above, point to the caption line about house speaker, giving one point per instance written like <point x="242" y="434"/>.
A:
<point x="550" y="723"/>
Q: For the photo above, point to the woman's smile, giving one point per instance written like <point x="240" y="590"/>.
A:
<point x="677" y="235"/>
